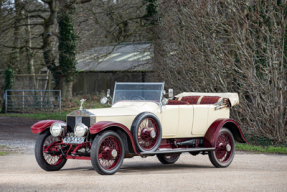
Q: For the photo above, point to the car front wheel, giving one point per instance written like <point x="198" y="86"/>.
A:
<point x="107" y="153"/>
<point x="224" y="151"/>
<point x="48" y="161"/>
<point x="146" y="131"/>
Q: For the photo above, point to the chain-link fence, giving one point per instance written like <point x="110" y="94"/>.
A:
<point x="32" y="101"/>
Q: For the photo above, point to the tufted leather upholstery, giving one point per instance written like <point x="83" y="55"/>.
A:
<point x="209" y="99"/>
<point x="175" y="102"/>
<point x="190" y="99"/>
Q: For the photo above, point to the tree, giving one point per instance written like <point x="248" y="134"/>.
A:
<point x="229" y="46"/>
<point x="67" y="47"/>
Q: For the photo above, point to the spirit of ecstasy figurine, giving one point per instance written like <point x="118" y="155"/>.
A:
<point x="82" y="101"/>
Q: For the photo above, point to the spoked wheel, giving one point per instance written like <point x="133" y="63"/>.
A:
<point x="147" y="132"/>
<point x="224" y="151"/>
<point x="168" y="159"/>
<point x="107" y="153"/>
<point x="48" y="161"/>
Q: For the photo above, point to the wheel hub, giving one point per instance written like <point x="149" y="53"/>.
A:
<point x="152" y="134"/>
<point x="145" y="134"/>
<point x="107" y="153"/>
<point x="114" y="153"/>
<point x="228" y="147"/>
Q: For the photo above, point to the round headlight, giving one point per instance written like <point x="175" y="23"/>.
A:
<point x="56" y="129"/>
<point x="104" y="100"/>
<point x="81" y="129"/>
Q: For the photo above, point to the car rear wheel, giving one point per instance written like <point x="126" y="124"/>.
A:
<point x="168" y="159"/>
<point x="107" y="153"/>
<point x="46" y="161"/>
<point x="224" y="151"/>
<point x="146" y="131"/>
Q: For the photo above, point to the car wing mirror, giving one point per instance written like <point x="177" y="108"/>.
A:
<point x="107" y="99"/>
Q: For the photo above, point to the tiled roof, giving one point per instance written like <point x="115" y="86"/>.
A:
<point x="129" y="57"/>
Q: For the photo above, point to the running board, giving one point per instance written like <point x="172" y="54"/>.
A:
<point x="177" y="151"/>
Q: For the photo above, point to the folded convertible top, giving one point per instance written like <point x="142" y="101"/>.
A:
<point x="233" y="97"/>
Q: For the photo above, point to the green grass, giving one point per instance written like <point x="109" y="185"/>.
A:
<point x="260" y="149"/>
<point x="4" y="153"/>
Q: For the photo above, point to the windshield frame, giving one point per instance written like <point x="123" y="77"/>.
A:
<point x="133" y="83"/>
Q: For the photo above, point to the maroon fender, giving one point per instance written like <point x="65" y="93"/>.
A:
<point x="211" y="135"/>
<point x="100" y="126"/>
<point x="44" y="124"/>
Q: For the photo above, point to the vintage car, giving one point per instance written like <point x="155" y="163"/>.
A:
<point x="141" y="122"/>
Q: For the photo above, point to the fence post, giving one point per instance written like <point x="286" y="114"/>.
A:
<point x="5" y="101"/>
<point x="60" y="101"/>
<point x="41" y="99"/>
<point x="23" y="99"/>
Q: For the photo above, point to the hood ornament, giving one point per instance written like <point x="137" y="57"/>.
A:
<point x="82" y="101"/>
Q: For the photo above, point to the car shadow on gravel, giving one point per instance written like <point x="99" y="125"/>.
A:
<point x="160" y="167"/>
<point x="147" y="168"/>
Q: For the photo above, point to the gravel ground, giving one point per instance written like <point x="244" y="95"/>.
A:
<point x="20" y="171"/>
<point x="248" y="172"/>
<point x="16" y="135"/>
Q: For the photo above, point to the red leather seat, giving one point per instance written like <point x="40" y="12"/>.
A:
<point x="190" y="99"/>
<point x="209" y="99"/>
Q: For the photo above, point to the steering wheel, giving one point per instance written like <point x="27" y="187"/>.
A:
<point x="134" y="97"/>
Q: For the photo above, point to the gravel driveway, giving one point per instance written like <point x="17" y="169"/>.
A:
<point x="248" y="172"/>
<point x="15" y="133"/>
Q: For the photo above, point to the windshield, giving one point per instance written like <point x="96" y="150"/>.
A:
<point x="138" y="91"/>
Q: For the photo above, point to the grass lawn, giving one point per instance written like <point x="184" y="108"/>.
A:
<point x="260" y="149"/>
<point x="39" y="116"/>
<point x="2" y="152"/>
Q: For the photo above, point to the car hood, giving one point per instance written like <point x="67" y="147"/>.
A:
<point x="118" y="109"/>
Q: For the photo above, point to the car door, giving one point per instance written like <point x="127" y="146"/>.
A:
<point x="185" y="120"/>
<point x="169" y="120"/>
<point x="200" y="119"/>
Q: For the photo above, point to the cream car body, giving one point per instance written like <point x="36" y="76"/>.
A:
<point x="178" y="121"/>
<point x="141" y="122"/>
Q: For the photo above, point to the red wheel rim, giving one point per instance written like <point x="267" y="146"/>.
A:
<point x="224" y="148"/>
<point x="106" y="159"/>
<point x="52" y="160"/>
<point x="145" y="141"/>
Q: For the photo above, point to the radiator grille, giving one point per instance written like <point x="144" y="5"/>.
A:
<point x="86" y="121"/>
<point x="71" y="122"/>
